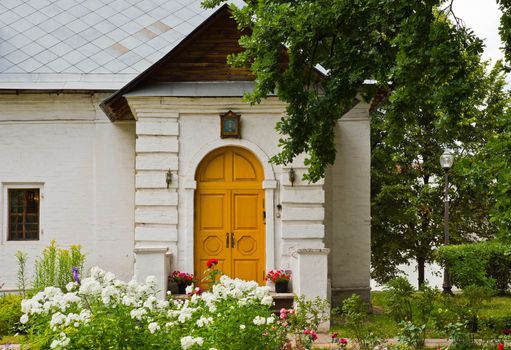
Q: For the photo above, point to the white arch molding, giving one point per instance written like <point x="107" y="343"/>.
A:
<point x="189" y="184"/>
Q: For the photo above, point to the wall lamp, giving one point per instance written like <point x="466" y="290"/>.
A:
<point x="292" y="176"/>
<point x="168" y="178"/>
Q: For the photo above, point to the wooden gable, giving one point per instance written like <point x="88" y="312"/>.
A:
<point x="204" y="57"/>
<point x="201" y="56"/>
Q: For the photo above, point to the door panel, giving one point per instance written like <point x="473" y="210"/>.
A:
<point x="249" y="248"/>
<point x="213" y="226"/>
<point x="229" y="223"/>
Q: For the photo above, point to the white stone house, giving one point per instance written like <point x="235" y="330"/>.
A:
<point x="111" y="137"/>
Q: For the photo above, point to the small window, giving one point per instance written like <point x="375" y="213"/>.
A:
<point x="23" y="221"/>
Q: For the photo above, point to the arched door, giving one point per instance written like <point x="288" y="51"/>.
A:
<point x="229" y="214"/>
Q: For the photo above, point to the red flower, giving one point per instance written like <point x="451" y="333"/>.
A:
<point x="211" y="262"/>
<point x="343" y="341"/>
<point x="334" y="335"/>
<point x="500" y="346"/>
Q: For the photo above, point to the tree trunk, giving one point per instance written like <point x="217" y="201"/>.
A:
<point x="420" y="269"/>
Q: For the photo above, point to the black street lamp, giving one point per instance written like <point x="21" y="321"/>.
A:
<point x="446" y="160"/>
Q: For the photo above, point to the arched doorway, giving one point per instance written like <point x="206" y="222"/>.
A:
<point x="229" y="214"/>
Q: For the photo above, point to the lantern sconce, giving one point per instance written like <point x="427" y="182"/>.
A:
<point x="292" y="176"/>
<point x="168" y="178"/>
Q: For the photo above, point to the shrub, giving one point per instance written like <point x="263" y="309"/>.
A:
<point x="105" y="313"/>
<point x="354" y="314"/>
<point x="485" y="264"/>
<point x="54" y="267"/>
<point x="10" y="313"/>
<point x="398" y="299"/>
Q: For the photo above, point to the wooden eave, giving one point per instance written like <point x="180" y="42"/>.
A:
<point x="200" y="57"/>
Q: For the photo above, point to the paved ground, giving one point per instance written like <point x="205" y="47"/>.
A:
<point x="324" y="342"/>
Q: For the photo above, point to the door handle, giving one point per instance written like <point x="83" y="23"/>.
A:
<point x="232" y="240"/>
<point x="227" y="239"/>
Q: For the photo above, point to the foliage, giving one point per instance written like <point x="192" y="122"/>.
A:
<point x="212" y="273"/>
<point x="484" y="264"/>
<point x="412" y="335"/>
<point x="399" y="299"/>
<point x="405" y="304"/>
<point x="21" y="259"/>
<point x="354" y="314"/>
<point x="493" y="316"/>
<point x="103" y="312"/>
<point x="54" y="267"/>
<point x="409" y="43"/>
<point x="278" y="276"/>
<point x="10" y="313"/>
<point x="407" y="187"/>
<point x="182" y="278"/>
<point x="305" y="319"/>
<point x="460" y="337"/>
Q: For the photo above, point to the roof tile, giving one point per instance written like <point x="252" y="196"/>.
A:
<point x="110" y="37"/>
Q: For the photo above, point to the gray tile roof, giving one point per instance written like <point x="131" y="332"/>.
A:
<point x="88" y="44"/>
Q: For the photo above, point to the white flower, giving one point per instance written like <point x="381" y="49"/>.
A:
<point x="70" y="286"/>
<point x="151" y="280"/>
<point x="187" y="342"/>
<point x="259" y="321"/>
<point x="267" y="300"/>
<point x="137" y="313"/>
<point x="24" y="319"/>
<point x="270" y="320"/>
<point x="189" y="289"/>
<point x="153" y="327"/>
<point x="242" y="326"/>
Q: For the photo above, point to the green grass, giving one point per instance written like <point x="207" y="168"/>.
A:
<point x="385" y="325"/>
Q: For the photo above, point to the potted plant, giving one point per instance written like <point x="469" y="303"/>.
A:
<point x="182" y="279"/>
<point x="281" y="279"/>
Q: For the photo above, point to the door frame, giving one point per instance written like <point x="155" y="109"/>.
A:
<point x="269" y="186"/>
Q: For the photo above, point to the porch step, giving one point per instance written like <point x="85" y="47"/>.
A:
<point x="280" y="300"/>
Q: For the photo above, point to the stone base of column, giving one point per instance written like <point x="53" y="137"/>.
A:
<point x="153" y="261"/>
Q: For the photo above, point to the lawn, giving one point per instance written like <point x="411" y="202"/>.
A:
<point x="384" y="324"/>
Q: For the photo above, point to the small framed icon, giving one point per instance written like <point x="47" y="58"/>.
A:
<point x="230" y="125"/>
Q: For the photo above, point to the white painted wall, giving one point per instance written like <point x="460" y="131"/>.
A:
<point x="299" y="225"/>
<point x="85" y="165"/>
<point x="347" y="219"/>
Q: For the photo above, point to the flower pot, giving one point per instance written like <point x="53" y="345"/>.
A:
<point x="181" y="288"/>
<point x="281" y="287"/>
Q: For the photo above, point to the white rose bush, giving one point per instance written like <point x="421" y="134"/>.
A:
<point x="102" y="312"/>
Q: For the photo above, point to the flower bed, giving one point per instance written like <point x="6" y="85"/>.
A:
<point x="103" y="312"/>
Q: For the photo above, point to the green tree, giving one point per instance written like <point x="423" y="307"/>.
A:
<point x="353" y="41"/>
<point x="407" y="181"/>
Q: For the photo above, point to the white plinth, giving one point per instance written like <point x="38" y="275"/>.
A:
<point x="153" y="261"/>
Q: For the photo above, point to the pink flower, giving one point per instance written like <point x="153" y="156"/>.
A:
<point x="283" y="315"/>
<point x="343" y="341"/>
<point x="307" y="331"/>
<point x="314" y="336"/>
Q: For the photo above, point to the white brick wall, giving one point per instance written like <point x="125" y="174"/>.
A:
<point x="85" y="164"/>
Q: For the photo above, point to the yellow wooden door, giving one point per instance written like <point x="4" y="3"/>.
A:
<point x="229" y="214"/>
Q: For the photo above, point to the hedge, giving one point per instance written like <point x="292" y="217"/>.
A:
<point x="485" y="263"/>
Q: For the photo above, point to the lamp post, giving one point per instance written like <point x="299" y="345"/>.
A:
<point x="446" y="160"/>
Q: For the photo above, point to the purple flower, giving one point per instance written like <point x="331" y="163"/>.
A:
<point x="76" y="275"/>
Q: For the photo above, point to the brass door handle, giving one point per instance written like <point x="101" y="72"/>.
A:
<point x="227" y="239"/>
<point x="232" y="240"/>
